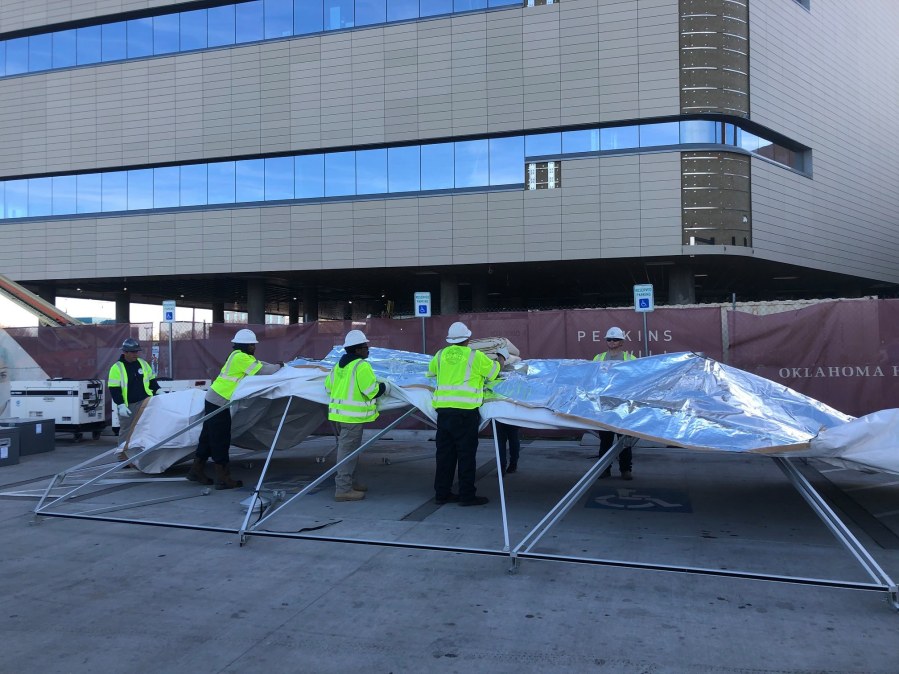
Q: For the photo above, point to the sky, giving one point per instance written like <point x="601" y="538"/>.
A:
<point x="11" y="316"/>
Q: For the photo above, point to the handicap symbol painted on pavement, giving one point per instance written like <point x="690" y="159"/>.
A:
<point x="646" y="500"/>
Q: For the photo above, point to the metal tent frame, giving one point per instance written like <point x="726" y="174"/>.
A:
<point x="523" y="549"/>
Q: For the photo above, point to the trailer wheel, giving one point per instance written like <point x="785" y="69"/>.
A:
<point x="96" y="435"/>
<point x="77" y="437"/>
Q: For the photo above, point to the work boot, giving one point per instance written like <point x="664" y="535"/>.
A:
<point x="351" y="495"/>
<point x="476" y="501"/>
<point x="223" y="478"/>
<point x="197" y="472"/>
<point x="512" y="468"/>
<point x="449" y="498"/>
<point x="626" y="475"/>
<point x="606" y="473"/>
<point x="358" y="486"/>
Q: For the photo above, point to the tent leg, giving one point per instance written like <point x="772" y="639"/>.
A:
<point x="502" y="490"/>
<point x="567" y="502"/>
<point x="838" y="528"/>
<point x="268" y="460"/>
<point x="333" y="469"/>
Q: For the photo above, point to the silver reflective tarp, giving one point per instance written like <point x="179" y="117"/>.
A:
<point x="680" y="399"/>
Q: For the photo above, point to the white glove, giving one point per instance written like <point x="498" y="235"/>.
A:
<point x="388" y="388"/>
<point x="124" y="412"/>
<point x="504" y="352"/>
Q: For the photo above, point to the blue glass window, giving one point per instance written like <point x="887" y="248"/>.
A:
<point x="88" y="47"/>
<point x="435" y="7"/>
<point x="543" y="144"/>
<point x="279" y="178"/>
<point x="249" y="21"/>
<point x="17" y="57"/>
<point x="65" y="195"/>
<point x="653" y="135"/>
<point x="278" y="18"/>
<point x="221" y="28"/>
<point x="472" y="163"/>
<point x="370" y="12"/>
<point x="40" y="52"/>
<point x="308" y="16"/>
<point x="404" y="169"/>
<point x="40" y="197"/>
<point x="467" y="5"/>
<point x="730" y="134"/>
<point x="2" y="72"/>
<point x="250" y="174"/>
<point x="338" y="14"/>
<point x="309" y="182"/>
<point x="700" y="131"/>
<point x="114" y="43"/>
<point x="504" y="3"/>
<point x="165" y="187"/>
<point x="399" y="10"/>
<point x="115" y="191"/>
<point x="193" y="30"/>
<point x="437" y="162"/>
<point x="340" y="174"/>
<point x="64" y="48"/>
<point x="140" y="189"/>
<point x="16" y="198"/>
<point x="194" y="185"/>
<point x="221" y="182"/>
<point x="89" y="193"/>
<point x="580" y="141"/>
<point x="371" y="172"/>
<point x="507" y="161"/>
<point x="747" y="141"/>
<point x="166" y="31"/>
<point x="619" y="138"/>
<point x="140" y="37"/>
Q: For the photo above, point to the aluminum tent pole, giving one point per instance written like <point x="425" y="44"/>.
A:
<point x="328" y="473"/>
<point x="838" y="528"/>
<point x="120" y="466"/>
<point x="262" y="475"/>
<point x="502" y="490"/>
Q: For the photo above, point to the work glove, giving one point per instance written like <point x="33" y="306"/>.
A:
<point x="124" y="412"/>
<point x="504" y="352"/>
<point x="388" y="388"/>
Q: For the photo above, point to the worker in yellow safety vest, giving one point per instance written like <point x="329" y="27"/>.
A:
<point x="615" y="351"/>
<point x="353" y="389"/>
<point x="215" y="438"/>
<point x="461" y="373"/>
<point x="130" y="382"/>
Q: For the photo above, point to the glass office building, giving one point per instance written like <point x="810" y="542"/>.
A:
<point x="326" y="158"/>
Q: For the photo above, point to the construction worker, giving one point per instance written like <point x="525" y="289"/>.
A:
<point x="461" y="373"/>
<point x="215" y="438"/>
<point x="353" y="389"/>
<point x="130" y="382"/>
<point x="615" y="351"/>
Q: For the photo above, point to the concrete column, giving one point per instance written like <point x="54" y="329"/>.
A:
<point x="479" y="300"/>
<point x="123" y="307"/>
<point x="256" y="301"/>
<point x="218" y="312"/>
<point x="310" y="304"/>
<point x="681" y="285"/>
<point x="449" y="295"/>
<point x="293" y="312"/>
<point x="47" y="292"/>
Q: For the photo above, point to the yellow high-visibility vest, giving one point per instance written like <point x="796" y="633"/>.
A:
<point x="461" y="373"/>
<point x="352" y="389"/>
<point x="118" y="377"/>
<point x="627" y="356"/>
<point x="238" y="366"/>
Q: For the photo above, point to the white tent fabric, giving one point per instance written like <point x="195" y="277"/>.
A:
<point x="681" y="399"/>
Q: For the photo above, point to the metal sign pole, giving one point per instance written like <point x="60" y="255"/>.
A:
<point x="171" y="339"/>
<point x="645" y="337"/>
<point x="424" y="347"/>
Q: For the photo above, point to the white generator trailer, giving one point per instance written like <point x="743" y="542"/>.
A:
<point x="76" y="406"/>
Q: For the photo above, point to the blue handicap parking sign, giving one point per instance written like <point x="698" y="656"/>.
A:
<point x="646" y="500"/>
<point x="169" y="316"/>
<point x="644" y="302"/>
<point x="422" y="308"/>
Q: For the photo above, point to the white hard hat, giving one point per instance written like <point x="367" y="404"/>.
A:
<point x="615" y="333"/>
<point x="245" y="337"/>
<point x="354" y="338"/>
<point x="458" y="332"/>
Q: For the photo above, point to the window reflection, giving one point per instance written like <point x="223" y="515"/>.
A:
<point x="89" y="193"/>
<point x="40" y="196"/>
<point x="140" y="189"/>
<point x="307" y="16"/>
<point x="248" y="22"/>
<point x="435" y="7"/>
<point x="220" y="27"/>
<point x="278" y="18"/>
<point x="220" y="183"/>
<point x="279" y="178"/>
<point x="398" y="10"/>
<point x="17" y="56"/>
<point x="541" y="144"/>
<point x="437" y="162"/>
<point x="309" y="181"/>
<point x="165" y="187"/>
<point x="507" y="161"/>
<point x="64" y="48"/>
<point x="16" y="199"/>
<point x="404" y="169"/>
<point x="139" y="37"/>
<point x="619" y="138"/>
<point x="113" y="44"/>
<point x="166" y="33"/>
<point x="64" y="195"/>
<point x="194" y="186"/>
<point x="699" y="131"/>
<point x="114" y="191"/>
<point x="340" y="174"/>
<point x="370" y="12"/>
<point x="472" y="163"/>
<point x="88" y="45"/>
<point x="371" y="172"/>
<point x="653" y="135"/>
<point x="250" y="180"/>
<point x="338" y="14"/>
<point x="193" y="30"/>
<point x="40" y="52"/>
<point x="580" y="141"/>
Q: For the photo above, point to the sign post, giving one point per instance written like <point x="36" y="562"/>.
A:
<point x="168" y="316"/>
<point x="422" y="304"/>
<point x="644" y="302"/>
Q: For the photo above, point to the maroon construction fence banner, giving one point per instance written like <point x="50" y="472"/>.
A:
<point x="844" y="353"/>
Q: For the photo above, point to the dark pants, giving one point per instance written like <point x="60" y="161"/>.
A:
<point x="457" y="444"/>
<point x="215" y="438"/>
<point x="625" y="458"/>
<point x="507" y="434"/>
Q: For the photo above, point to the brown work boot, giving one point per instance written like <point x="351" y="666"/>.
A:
<point x="197" y="472"/>
<point x="358" y="486"/>
<point x="627" y="475"/>
<point x="351" y="495"/>
<point x="223" y="478"/>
